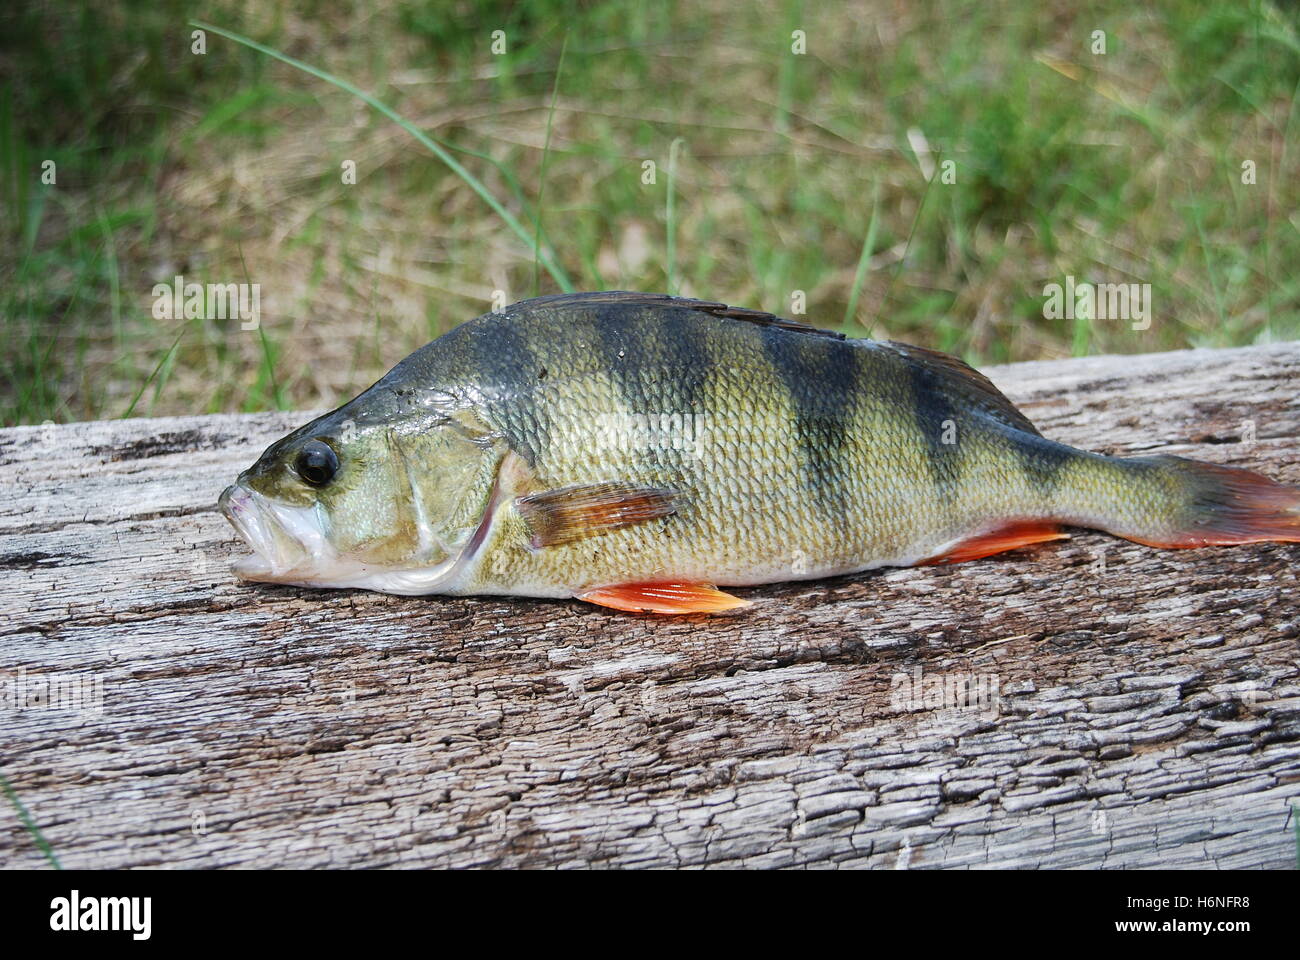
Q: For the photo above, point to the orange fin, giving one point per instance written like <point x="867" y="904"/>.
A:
<point x="664" y="597"/>
<point x="1017" y="533"/>
<point x="570" y="514"/>
<point x="1225" y="506"/>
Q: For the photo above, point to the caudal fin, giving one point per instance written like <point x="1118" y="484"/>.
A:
<point x="1178" y="502"/>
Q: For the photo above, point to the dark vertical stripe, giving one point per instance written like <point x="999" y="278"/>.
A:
<point x="506" y="369"/>
<point x="1042" y="460"/>
<point x="657" y="357"/>
<point x="822" y="378"/>
<point x="936" y="418"/>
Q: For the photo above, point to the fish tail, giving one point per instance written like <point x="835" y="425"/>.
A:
<point x="1172" y="502"/>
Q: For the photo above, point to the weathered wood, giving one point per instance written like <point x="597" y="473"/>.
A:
<point x="1148" y="710"/>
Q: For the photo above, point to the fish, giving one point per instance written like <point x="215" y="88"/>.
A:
<point x="642" y="451"/>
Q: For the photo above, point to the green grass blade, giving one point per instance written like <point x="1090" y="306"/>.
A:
<point x="268" y="356"/>
<point x="911" y="233"/>
<point x="547" y="260"/>
<point x="30" y="824"/>
<point x="785" y="80"/>
<point x="671" y="217"/>
<point x="114" y="282"/>
<point x="546" y="155"/>
<point x="868" y="247"/>
<point x="1210" y="271"/>
<point x="144" y="386"/>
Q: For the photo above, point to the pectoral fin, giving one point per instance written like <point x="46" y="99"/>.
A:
<point x="664" y="597"/>
<point x="570" y="514"/>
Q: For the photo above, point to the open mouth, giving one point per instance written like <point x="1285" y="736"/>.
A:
<point x="290" y="546"/>
<point x="286" y="541"/>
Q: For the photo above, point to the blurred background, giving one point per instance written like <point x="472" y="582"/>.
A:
<point x="812" y="171"/>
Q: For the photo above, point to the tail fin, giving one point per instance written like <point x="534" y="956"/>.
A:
<point x="1185" y="503"/>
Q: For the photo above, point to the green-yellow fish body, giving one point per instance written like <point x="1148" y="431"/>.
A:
<point x="638" y="450"/>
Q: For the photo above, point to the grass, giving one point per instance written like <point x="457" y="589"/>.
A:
<point x="864" y="261"/>
<point x="29" y="824"/>
<point x="539" y="253"/>
<point x="541" y="179"/>
<point x="521" y="172"/>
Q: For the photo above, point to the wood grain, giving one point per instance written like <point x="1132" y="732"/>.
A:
<point x="1144" y="705"/>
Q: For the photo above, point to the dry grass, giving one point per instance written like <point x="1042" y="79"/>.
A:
<point x="1124" y="167"/>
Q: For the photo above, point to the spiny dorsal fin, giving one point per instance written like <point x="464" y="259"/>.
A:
<point x="632" y="299"/>
<point x="967" y="382"/>
<point x="758" y="317"/>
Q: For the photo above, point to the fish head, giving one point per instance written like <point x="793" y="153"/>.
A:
<point x="368" y="496"/>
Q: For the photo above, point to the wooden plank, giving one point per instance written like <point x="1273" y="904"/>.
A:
<point x="1147" y="708"/>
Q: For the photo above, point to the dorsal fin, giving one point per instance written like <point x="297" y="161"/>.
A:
<point x="759" y="317"/>
<point x="966" y="382"/>
<point x="632" y="298"/>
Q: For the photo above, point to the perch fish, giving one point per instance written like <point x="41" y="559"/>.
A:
<point x="640" y="451"/>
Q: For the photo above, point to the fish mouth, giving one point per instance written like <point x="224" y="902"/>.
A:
<point x="290" y="546"/>
<point x="288" y="542"/>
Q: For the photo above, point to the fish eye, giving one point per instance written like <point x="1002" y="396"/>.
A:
<point x="317" y="463"/>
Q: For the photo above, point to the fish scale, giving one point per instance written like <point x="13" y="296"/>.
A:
<point x="636" y="450"/>
<point x="798" y="410"/>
